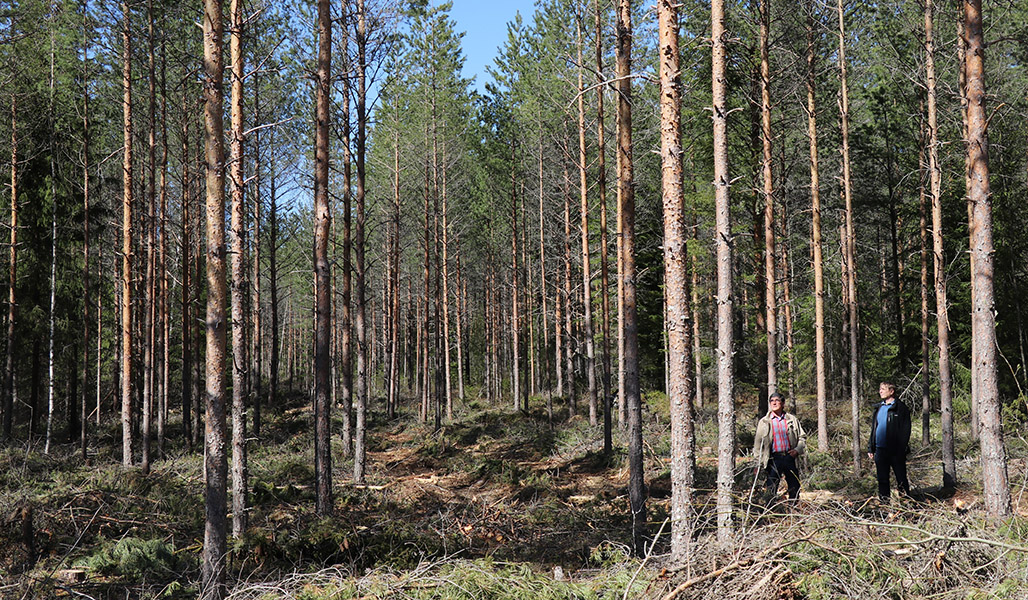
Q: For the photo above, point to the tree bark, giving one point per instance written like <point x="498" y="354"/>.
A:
<point x="676" y="285"/>
<point x="126" y="240"/>
<point x="12" y="305"/>
<point x="723" y="239"/>
<point x="587" y="300"/>
<point x="363" y="376"/>
<point x="187" y="268"/>
<point x="240" y="359"/>
<point x="770" y="300"/>
<point x="346" y="337"/>
<point x="633" y="401"/>
<point x="819" y="270"/>
<point x="983" y="318"/>
<point x="83" y="419"/>
<point x="601" y="166"/>
<point x="849" y="246"/>
<point x="213" y="564"/>
<point x="949" y="468"/>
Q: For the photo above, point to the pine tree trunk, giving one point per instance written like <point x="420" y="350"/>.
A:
<point x="723" y="237"/>
<point x="926" y="396"/>
<point x="601" y="167"/>
<point x="126" y="241"/>
<point x="849" y="246"/>
<point x="213" y="563"/>
<point x="346" y="337"/>
<point x="53" y="261"/>
<point x="164" y="316"/>
<point x="770" y="300"/>
<point x="633" y="401"/>
<point x="149" y="282"/>
<point x="237" y="233"/>
<point x="445" y="295"/>
<point x="983" y="318"/>
<point x="12" y="305"/>
<point x="363" y="376"/>
<point x="676" y="286"/>
<point x="256" y="323"/>
<point x="819" y="271"/>
<point x="515" y="293"/>
<point x="187" y="267"/>
<point x="587" y="295"/>
<point x="949" y="469"/>
<point x="84" y="416"/>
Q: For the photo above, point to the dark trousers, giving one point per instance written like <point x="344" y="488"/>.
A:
<point x="778" y="466"/>
<point x="897" y="461"/>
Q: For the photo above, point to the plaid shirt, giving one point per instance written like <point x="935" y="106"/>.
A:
<point x="779" y="434"/>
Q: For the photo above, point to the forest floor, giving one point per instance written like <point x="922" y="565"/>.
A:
<point x="500" y="504"/>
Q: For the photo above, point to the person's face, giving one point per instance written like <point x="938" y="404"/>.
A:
<point x="776" y="405"/>
<point x="885" y="391"/>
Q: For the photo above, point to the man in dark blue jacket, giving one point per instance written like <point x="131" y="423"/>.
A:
<point x="890" y="441"/>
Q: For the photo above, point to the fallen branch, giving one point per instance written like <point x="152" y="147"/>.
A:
<point x="741" y="563"/>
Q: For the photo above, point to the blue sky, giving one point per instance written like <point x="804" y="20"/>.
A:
<point x="485" y="25"/>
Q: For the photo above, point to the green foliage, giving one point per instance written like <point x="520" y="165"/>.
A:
<point x="134" y="558"/>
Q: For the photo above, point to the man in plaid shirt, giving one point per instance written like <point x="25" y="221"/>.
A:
<point x="779" y="440"/>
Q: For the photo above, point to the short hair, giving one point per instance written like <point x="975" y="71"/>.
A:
<point x="776" y="396"/>
<point x="888" y="384"/>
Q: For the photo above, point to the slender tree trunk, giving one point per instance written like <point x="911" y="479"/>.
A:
<point x="240" y="359"/>
<point x="363" y="376"/>
<point x="723" y="238"/>
<point x="256" y="323"/>
<point x="562" y="327"/>
<point x="515" y="293"/>
<point x="149" y="219"/>
<point x="850" y="246"/>
<point x="697" y="354"/>
<point x="185" y="250"/>
<point x="949" y="468"/>
<point x="346" y="338"/>
<point x="53" y="259"/>
<point x="569" y="299"/>
<point x="445" y="296"/>
<point x="213" y="564"/>
<point x="587" y="295"/>
<point x="601" y="166"/>
<point x="983" y="317"/>
<point x="84" y="415"/>
<point x="633" y="402"/>
<point x="926" y="396"/>
<point x="676" y="285"/>
<point x="12" y="305"/>
<point x="770" y="299"/>
<point x="164" y="316"/>
<point x="962" y="86"/>
<point x="126" y="241"/>
<point x="819" y="270"/>
<point x="462" y="314"/>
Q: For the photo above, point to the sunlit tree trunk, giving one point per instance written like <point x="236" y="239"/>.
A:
<point x="237" y="242"/>
<point x="363" y="375"/>
<point x="676" y="285"/>
<point x="601" y="174"/>
<point x="770" y="299"/>
<point x="983" y="318"/>
<point x="126" y="240"/>
<point x="723" y="239"/>
<point x="346" y="325"/>
<point x="633" y="401"/>
<point x="949" y="468"/>
<point x="587" y="296"/>
<point x="515" y="320"/>
<point x="849" y="246"/>
<point x="820" y="369"/>
<point x="213" y="563"/>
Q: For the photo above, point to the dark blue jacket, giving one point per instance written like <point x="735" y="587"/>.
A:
<point x="897" y="428"/>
